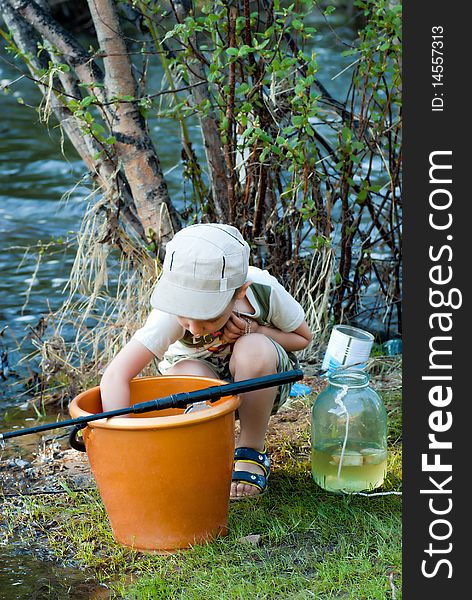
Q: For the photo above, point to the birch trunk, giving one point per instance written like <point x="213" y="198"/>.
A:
<point x="134" y="147"/>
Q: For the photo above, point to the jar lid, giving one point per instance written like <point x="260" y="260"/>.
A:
<point x="353" y="378"/>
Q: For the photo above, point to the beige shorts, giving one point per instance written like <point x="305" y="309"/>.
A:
<point x="220" y="366"/>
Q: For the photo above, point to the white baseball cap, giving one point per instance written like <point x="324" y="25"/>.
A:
<point x="203" y="266"/>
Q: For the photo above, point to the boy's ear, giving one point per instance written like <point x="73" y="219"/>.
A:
<point x="242" y="291"/>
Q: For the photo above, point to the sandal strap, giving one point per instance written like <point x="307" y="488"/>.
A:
<point x="249" y="455"/>
<point x="255" y="479"/>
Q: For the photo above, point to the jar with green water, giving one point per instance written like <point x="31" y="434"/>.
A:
<point x="348" y="434"/>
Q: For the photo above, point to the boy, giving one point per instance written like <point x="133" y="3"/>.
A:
<point x="215" y="316"/>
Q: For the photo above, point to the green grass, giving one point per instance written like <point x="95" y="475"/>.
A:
<point x="313" y="544"/>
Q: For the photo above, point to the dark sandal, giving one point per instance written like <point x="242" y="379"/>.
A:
<point x="258" y="480"/>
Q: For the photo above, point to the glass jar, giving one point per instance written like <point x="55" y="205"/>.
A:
<point x="348" y="434"/>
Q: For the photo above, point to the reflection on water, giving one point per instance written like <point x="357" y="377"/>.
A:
<point x="24" y="577"/>
<point x="28" y="446"/>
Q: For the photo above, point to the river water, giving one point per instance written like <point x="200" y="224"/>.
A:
<point x="43" y="197"/>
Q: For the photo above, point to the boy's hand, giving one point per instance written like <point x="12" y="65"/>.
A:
<point x="238" y="326"/>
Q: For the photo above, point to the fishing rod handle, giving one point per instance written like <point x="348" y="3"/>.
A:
<point x="218" y="391"/>
<point x="174" y="401"/>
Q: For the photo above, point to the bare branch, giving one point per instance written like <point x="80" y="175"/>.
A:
<point x="208" y="122"/>
<point x="77" y="57"/>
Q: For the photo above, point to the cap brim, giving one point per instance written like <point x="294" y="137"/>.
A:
<point x="193" y="304"/>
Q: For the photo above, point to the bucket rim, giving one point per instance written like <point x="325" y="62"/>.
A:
<point x="221" y="407"/>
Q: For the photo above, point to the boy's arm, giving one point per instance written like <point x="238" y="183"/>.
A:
<point x="298" y="339"/>
<point x="290" y="341"/>
<point x="129" y="362"/>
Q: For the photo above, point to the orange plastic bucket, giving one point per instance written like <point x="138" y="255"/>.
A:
<point x="164" y="477"/>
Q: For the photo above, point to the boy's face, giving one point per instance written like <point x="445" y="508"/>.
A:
<point x="200" y="327"/>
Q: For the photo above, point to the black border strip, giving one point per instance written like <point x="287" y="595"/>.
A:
<point x="437" y="400"/>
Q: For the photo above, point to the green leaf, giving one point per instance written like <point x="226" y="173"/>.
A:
<point x="87" y="100"/>
<point x="375" y="188"/>
<point x="243" y="88"/>
<point x="346" y="134"/>
<point x="264" y="154"/>
<point x="262" y="45"/>
<point x="224" y="123"/>
<point x="97" y="128"/>
<point x="245" y="50"/>
<point x="262" y="135"/>
<point x="298" y="120"/>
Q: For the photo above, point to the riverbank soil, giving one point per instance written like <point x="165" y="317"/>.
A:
<point x="53" y="471"/>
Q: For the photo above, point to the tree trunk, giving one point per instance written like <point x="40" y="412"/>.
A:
<point x="134" y="147"/>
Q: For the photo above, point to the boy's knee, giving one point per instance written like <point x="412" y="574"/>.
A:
<point x="191" y="367"/>
<point x="255" y="353"/>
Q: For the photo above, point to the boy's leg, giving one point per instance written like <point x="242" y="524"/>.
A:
<point x="192" y="367"/>
<point x="253" y="355"/>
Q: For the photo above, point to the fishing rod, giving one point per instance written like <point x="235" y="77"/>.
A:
<point x="178" y="400"/>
